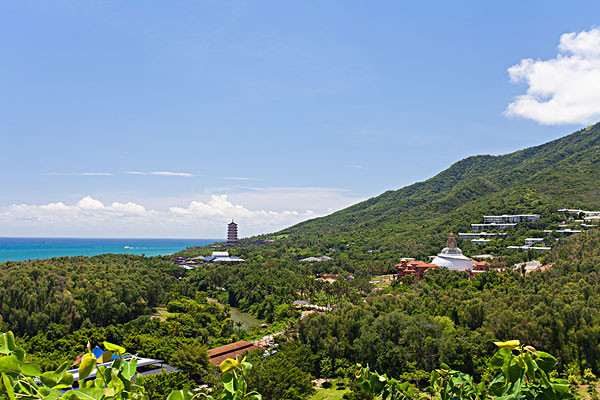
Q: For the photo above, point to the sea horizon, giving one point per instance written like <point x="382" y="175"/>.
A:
<point x="22" y="248"/>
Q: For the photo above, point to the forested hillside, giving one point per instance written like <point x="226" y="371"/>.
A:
<point x="412" y="220"/>
<point x="82" y="292"/>
<point x="448" y="318"/>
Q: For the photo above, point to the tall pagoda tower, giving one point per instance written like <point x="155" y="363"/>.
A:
<point x="232" y="232"/>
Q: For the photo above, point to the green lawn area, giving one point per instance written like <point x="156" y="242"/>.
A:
<point x="161" y="313"/>
<point x="329" y="394"/>
<point x="383" y="285"/>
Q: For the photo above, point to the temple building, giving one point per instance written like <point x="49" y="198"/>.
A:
<point x="413" y="268"/>
<point x="232" y="234"/>
<point x="452" y="257"/>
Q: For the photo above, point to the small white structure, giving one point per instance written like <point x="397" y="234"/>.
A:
<point x="452" y="257"/>
<point x="221" y="256"/>
<point x="569" y="211"/>
<point x="502" y="219"/>
<point x="533" y="241"/>
<point x="477" y="235"/>
<point x="529" y="266"/>
<point x="562" y="232"/>
<point x="480" y="241"/>
<point x="526" y="248"/>
<point x="586" y="214"/>
<point x="316" y="259"/>
<point x="493" y="225"/>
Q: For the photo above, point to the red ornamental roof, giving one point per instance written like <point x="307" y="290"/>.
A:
<point x="416" y="264"/>
<point x="480" y="263"/>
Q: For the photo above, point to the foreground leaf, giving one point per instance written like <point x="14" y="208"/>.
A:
<point x="511" y="344"/>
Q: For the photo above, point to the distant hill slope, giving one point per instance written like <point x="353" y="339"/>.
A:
<point x="414" y="219"/>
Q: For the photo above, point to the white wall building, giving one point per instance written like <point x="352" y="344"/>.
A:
<point x="502" y="219"/>
<point x="533" y="241"/>
<point x="493" y="225"/>
<point x="563" y="232"/>
<point x="526" y="248"/>
<point x="477" y="235"/>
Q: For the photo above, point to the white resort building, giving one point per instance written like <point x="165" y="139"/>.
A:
<point x="586" y="214"/>
<point x="533" y="241"/>
<point x="562" y="232"/>
<point x="502" y="219"/>
<point x="492" y="225"/>
<point x="478" y="235"/>
<point x="526" y="248"/>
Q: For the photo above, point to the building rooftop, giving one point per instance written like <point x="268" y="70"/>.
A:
<point x="529" y="247"/>
<point x="316" y="259"/>
<point x="219" y="354"/>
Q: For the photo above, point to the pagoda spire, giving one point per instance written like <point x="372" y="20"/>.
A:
<point x="451" y="240"/>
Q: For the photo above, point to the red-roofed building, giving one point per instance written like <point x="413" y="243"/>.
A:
<point x="219" y="354"/>
<point x="479" y="265"/>
<point x="413" y="268"/>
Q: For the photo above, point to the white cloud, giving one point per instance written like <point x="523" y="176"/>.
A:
<point x="236" y="178"/>
<point x="162" y="173"/>
<point x="88" y="203"/>
<point x="87" y="212"/>
<point x="267" y="210"/>
<point x="219" y="208"/>
<point x="79" y="174"/>
<point x="562" y="90"/>
<point x="129" y="208"/>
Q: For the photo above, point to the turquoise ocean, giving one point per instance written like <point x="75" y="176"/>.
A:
<point x="19" y="249"/>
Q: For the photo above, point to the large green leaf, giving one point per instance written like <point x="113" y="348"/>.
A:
<point x="19" y="353"/>
<point x="510" y="344"/>
<point x="7" y="342"/>
<point x="184" y="394"/>
<point x="58" y="379"/>
<point x="498" y="359"/>
<point x="114" y="348"/>
<point x="10" y="364"/>
<point x="29" y="369"/>
<point x="546" y="361"/>
<point x="229" y="383"/>
<point x="87" y="365"/>
<point x="8" y="387"/>
<point x="228" y="364"/>
<point x="90" y="393"/>
<point x="129" y="368"/>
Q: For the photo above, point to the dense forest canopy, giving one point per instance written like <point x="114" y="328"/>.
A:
<point x="82" y="291"/>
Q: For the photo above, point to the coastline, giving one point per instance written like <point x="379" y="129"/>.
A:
<point x="32" y="248"/>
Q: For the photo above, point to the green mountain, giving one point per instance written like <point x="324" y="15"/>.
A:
<point x="415" y="219"/>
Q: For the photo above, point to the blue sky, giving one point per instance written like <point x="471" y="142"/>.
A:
<point x="131" y="118"/>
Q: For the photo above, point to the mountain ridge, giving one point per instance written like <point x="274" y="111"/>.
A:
<point x="564" y="172"/>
